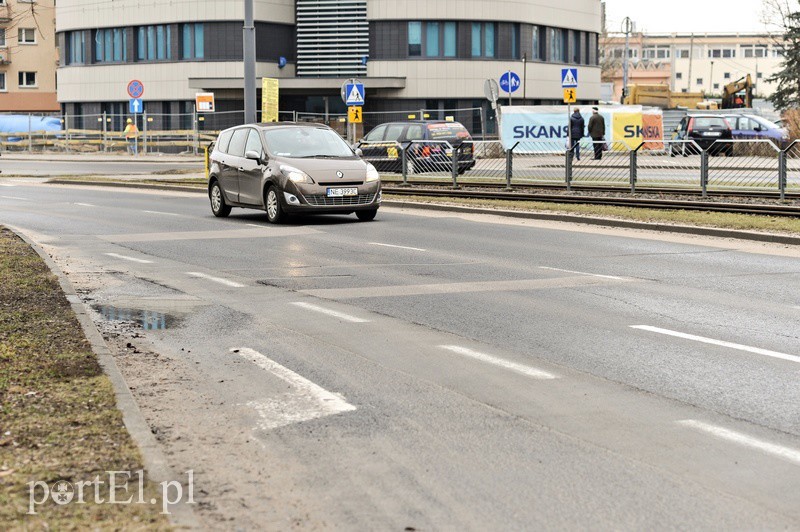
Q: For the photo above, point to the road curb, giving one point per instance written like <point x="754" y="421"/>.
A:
<point x="90" y="159"/>
<point x="155" y="463"/>
<point x="605" y="222"/>
<point x="530" y="215"/>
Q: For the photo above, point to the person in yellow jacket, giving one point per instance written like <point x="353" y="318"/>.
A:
<point x="132" y="137"/>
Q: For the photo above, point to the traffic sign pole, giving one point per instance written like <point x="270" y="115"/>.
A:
<point x="510" y="103"/>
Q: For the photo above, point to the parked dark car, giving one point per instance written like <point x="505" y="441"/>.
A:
<point x="430" y="145"/>
<point x="755" y="127"/>
<point x="286" y="168"/>
<point x="706" y="131"/>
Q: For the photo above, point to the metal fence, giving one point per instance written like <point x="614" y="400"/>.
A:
<point x="755" y="165"/>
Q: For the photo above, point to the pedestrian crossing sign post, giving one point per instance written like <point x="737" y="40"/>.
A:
<point x="570" y="95"/>
<point x="354" y="115"/>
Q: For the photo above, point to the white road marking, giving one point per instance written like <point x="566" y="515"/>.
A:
<point x="84" y="204"/>
<point x="162" y="213"/>
<point x="255" y="225"/>
<point x="528" y="371"/>
<point x="740" y="347"/>
<point x="329" y="312"/>
<point x="307" y="401"/>
<point x="7" y="185"/>
<point x="398" y="247"/>
<point x="583" y="273"/>
<point x="15" y="197"/>
<point x="787" y="453"/>
<point x="132" y="259"/>
<point x="226" y="282"/>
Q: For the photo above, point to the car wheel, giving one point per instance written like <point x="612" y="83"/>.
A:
<point x="367" y="216"/>
<point x="218" y="206"/>
<point x="275" y="212"/>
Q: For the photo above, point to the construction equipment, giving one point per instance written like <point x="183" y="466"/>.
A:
<point x="739" y="94"/>
<point x="661" y="96"/>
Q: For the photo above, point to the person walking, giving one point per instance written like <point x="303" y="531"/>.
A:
<point x="132" y="136"/>
<point x="597" y="130"/>
<point x="577" y="127"/>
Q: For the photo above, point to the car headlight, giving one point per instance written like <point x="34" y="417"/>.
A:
<point x="295" y="175"/>
<point x="372" y="173"/>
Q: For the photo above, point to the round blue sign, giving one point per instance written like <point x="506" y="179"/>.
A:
<point x="510" y="82"/>
<point x="135" y="89"/>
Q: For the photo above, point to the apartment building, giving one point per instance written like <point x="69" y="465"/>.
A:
<point x="28" y="56"/>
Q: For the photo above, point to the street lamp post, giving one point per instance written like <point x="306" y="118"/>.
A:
<point x="628" y="28"/>
<point x="249" y="54"/>
<point x="711" y="81"/>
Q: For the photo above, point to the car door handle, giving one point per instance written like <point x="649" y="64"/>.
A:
<point x="241" y="169"/>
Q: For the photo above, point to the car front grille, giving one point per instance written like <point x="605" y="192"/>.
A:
<point x="321" y="200"/>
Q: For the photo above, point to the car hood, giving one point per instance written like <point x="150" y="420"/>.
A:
<point x="326" y="171"/>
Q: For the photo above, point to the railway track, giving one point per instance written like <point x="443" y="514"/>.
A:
<point x="645" y="203"/>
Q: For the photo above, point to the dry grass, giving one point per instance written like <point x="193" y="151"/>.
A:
<point x="59" y="416"/>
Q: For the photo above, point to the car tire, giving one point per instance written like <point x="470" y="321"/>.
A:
<point x="367" y="216"/>
<point x="272" y="203"/>
<point x="217" y="198"/>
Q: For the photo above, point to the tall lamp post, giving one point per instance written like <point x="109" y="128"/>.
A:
<point x="627" y="27"/>
<point x="249" y="54"/>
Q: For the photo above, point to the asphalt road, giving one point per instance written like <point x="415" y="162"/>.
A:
<point x="443" y="371"/>
<point x="41" y="168"/>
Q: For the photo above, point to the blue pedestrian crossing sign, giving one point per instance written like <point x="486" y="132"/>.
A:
<point x="569" y="78"/>
<point x="354" y="94"/>
<point x="135" y="106"/>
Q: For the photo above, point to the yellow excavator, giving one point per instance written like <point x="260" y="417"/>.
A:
<point x="661" y="96"/>
<point x="738" y="94"/>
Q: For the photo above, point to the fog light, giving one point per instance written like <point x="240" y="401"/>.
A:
<point x="379" y="197"/>
<point x="291" y="198"/>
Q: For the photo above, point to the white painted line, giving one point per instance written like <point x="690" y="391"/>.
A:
<point x="7" y="185"/>
<point x="740" y="347"/>
<point x="307" y="400"/>
<point x="132" y="259"/>
<point x="528" y="371"/>
<point x="786" y="453"/>
<point x="162" y="213"/>
<point x="84" y="204"/>
<point x="398" y="247"/>
<point x="219" y="280"/>
<point x="255" y="225"/>
<point x="15" y="197"/>
<point x="583" y="273"/>
<point x="329" y="312"/>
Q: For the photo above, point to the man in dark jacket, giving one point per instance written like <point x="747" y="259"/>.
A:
<point x="597" y="130"/>
<point x="576" y="127"/>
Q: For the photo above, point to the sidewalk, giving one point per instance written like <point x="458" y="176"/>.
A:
<point x="101" y="157"/>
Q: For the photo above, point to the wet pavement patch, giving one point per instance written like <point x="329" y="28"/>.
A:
<point x="149" y="320"/>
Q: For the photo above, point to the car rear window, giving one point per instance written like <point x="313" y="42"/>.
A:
<point x="224" y="140"/>
<point x="236" y="147"/>
<point x="704" y="122"/>
<point x="447" y="131"/>
<point x="394" y="132"/>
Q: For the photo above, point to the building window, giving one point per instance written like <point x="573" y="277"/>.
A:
<point x="27" y="79"/>
<point x="657" y="52"/>
<point x="26" y="36"/>
<point x="777" y="51"/>
<point x="679" y="75"/>
<point x="153" y="43"/>
<point x="758" y="50"/>
<point x="3" y="82"/>
<point x="449" y="39"/>
<point x="192" y="41"/>
<point x="414" y="39"/>
<point x="716" y="86"/>
<point x="432" y="39"/>
<point x="76" y="52"/>
<point x="618" y="53"/>
<point x="535" y="43"/>
<point x="558" y="45"/>
<point x="725" y="53"/>
<point x="726" y="75"/>
<point x="682" y="53"/>
<point x="483" y="39"/>
<point x="2" y="37"/>
<point x="576" y="47"/>
<point x="111" y="46"/>
<point x="515" y="41"/>
<point x="759" y="75"/>
<point x="699" y="81"/>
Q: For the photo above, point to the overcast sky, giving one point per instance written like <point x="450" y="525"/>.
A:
<point x="699" y="16"/>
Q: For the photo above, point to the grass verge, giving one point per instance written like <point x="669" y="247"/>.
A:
<point x="58" y="416"/>
<point x="742" y="222"/>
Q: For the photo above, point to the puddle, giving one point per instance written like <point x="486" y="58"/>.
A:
<point x="149" y="320"/>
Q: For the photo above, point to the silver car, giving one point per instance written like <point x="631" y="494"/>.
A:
<point x="286" y="168"/>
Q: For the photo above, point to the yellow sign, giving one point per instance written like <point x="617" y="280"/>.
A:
<point x="204" y="102"/>
<point x="627" y="127"/>
<point x="570" y="95"/>
<point x="354" y="115"/>
<point x="269" y="100"/>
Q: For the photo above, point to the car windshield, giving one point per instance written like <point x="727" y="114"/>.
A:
<point x="306" y="142"/>
<point x="703" y="122"/>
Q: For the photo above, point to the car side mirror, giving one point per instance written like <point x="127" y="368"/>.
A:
<point x="253" y="156"/>
<point x="359" y="152"/>
<point x="757" y="129"/>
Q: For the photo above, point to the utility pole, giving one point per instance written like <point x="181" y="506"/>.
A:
<point x="627" y="28"/>
<point x="249" y="53"/>
<point x="691" y="57"/>
<point x="711" y="81"/>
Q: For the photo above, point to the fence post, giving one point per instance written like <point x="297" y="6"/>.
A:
<point x="704" y="172"/>
<point x="144" y="133"/>
<point x="510" y="166"/>
<point x="294" y="116"/>
<point x="454" y="167"/>
<point x="30" y="133"/>
<point x="105" y="145"/>
<point x="196" y="128"/>
<point x="404" y="162"/>
<point x="568" y="170"/>
<point x="634" y="161"/>
<point x="782" y="174"/>
<point x="483" y="123"/>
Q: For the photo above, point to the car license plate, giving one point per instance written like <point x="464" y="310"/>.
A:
<point x="340" y="192"/>
<point x="712" y="134"/>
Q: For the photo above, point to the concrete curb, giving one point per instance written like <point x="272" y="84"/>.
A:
<point x="155" y="463"/>
<point x="111" y="159"/>
<point x="529" y="215"/>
